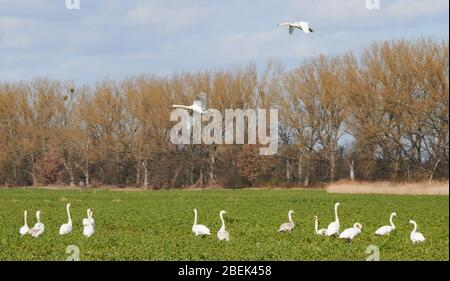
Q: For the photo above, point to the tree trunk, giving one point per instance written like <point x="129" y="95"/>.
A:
<point x="144" y="164"/>
<point x="306" y="181"/>
<point x="434" y="170"/>
<point x="34" y="178"/>
<point x="300" y="171"/>
<point x="332" y="166"/>
<point x="200" y="178"/>
<point x="212" y="164"/>
<point x="351" y="166"/>
<point x="71" y="174"/>
<point x="288" y="175"/>
<point x="86" y="174"/>
<point x="307" y="171"/>
<point x="175" y="177"/>
<point x="138" y="172"/>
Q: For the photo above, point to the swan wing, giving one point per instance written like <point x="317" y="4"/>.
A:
<point x="223" y="235"/>
<point x="65" y="229"/>
<point x="88" y="230"/>
<point x="197" y="109"/>
<point x="291" y="29"/>
<point x="286" y="227"/>
<point x="345" y="234"/>
<point x="37" y="230"/>
<point x="417" y="237"/>
<point x="321" y="232"/>
<point x="24" y="230"/>
<point x="200" y="229"/>
<point x="333" y="228"/>
<point x="420" y="237"/>
<point x="305" y="26"/>
<point x="349" y="233"/>
<point x="384" y="230"/>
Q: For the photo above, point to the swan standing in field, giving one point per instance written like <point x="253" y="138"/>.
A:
<point x="222" y="234"/>
<point x="320" y="232"/>
<point x="67" y="227"/>
<point x="199" y="229"/>
<point x="38" y="228"/>
<point x="88" y="223"/>
<point x="333" y="228"/>
<point x="385" y="230"/>
<point x="289" y="226"/>
<point x="24" y="229"/>
<point x="302" y="25"/>
<point x="351" y="233"/>
<point x="416" y="237"/>
<point x="89" y="220"/>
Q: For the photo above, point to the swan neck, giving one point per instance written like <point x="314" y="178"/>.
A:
<point x="316" y="225"/>
<point x="336" y="213"/>
<point x="25" y="218"/>
<point x="392" y="221"/>
<point x="195" y="217"/>
<point x="290" y="218"/>
<point x="223" y="221"/>
<point x="68" y="214"/>
<point x="415" y="227"/>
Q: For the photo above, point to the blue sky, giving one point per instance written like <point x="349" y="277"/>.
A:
<point x="116" y="39"/>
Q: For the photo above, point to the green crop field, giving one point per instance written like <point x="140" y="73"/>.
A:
<point x="156" y="225"/>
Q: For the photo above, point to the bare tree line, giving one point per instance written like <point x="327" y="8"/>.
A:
<point x="381" y="114"/>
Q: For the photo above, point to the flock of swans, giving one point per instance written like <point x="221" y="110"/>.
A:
<point x="332" y="229"/>
<point x="66" y="228"/>
<point x="198" y="229"/>
<point x="222" y="234"/>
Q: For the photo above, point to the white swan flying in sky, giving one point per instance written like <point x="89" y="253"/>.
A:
<point x="302" y="25"/>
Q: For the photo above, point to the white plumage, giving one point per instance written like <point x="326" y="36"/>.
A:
<point x="88" y="220"/>
<point x="302" y="25"/>
<point x="39" y="227"/>
<point x="199" y="229"/>
<point x="351" y="233"/>
<point x="387" y="229"/>
<point x="222" y="234"/>
<point x="197" y="106"/>
<point x="289" y="226"/>
<point x="24" y="229"/>
<point x="88" y="223"/>
<point x="333" y="228"/>
<point x="67" y="227"/>
<point x="416" y="237"/>
<point x="320" y="232"/>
